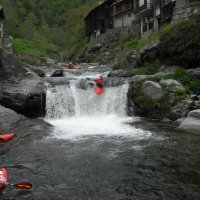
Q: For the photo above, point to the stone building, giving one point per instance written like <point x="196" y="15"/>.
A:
<point x="99" y="19"/>
<point x="185" y="8"/>
<point x="2" y="17"/>
<point x="148" y="15"/>
<point x="123" y="13"/>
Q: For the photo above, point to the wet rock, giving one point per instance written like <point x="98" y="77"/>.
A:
<point x="121" y="73"/>
<point x="58" y="73"/>
<point x="180" y="110"/>
<point x="172" y="85"/>
<point x="179" y="121"/>
<point x="195" y="114"/>
<point x="190" y="125"/>
<point x="152" y="90"/>
<point x="26" y="96"/>
<point x="23" y="127"/>
<point x="8" y="119"/>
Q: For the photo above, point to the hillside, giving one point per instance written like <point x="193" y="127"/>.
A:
<point x="42" y="28"/>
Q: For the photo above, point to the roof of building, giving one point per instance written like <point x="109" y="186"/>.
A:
<point x="96" y="8"/>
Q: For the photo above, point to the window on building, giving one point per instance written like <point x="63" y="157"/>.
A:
<point x="141" y="3"/>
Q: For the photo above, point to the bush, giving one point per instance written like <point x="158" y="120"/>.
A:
<point x="181" y="42"/>
<point x="187" y="79"/>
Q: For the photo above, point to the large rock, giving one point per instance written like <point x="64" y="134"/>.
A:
<point x="57" y="73"/>
<point x="152" y="90"/>
<point x="26" y="96"/>
<point x="195" y="114"/>
<point x="172" y="85"/>
<point x="133" y="58"/>
<point x="121" y="73"/>
<point x="8" y="118"/>
<point x="192" y="123"/>
<point x="194" y="72"/>
<point x="23" y="127"/>
<point x="9" y="65"/>
<point x="150" y="52"/>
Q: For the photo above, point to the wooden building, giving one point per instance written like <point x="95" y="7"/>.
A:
<point x="2" y="17"/>
<point x="167" y="9"/>
<point x="123" y="13"/>
<point x="99" y="19"/>
<point x="143" y="10"/>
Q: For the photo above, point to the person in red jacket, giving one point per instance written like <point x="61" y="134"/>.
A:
<point x="100" y="81"/>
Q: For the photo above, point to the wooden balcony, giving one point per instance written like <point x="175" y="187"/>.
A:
<point x="122" y="6"/>
<point x="143" y="9"/>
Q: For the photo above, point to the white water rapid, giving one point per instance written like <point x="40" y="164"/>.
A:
<point x="77" y="113"/>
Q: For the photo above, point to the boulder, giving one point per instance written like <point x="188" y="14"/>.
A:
<point x="152" y="90"/>
<point x="121" y="73"/>
<point x="194" y="114"/>
<point x="172" y="85"/>
<point x="26" y="96"/>
<point x="194" y="72"/>
<point x="58" y="73"/>
<point x="23" y="127"/>
<point x="8" y="119"/>
<point x="190" y="125"/>
<point x="150" y="52"/>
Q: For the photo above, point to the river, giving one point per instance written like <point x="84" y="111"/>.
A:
<point x="97" y="152"/>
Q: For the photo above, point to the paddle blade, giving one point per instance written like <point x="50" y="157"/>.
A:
<point x="23" y="185"/>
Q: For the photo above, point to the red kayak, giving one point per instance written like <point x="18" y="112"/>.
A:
<point x="3" y="179"/>
<point x="6" y="137"/>
<point x="98" y="88"/>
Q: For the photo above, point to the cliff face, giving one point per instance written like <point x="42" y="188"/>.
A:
<point x="20" y="89"/>
<point x="9" y="66"/>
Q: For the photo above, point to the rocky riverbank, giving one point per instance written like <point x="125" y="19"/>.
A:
<point x="160" y="96"/>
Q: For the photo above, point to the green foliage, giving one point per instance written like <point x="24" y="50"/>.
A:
<point x="46" y="27"/>
<point x="180" y="94"/>
<point x="148" y="68"/>
<point x="153" y="106"/>
<point x="188" y="80"/>
<point x="133" y="42"/>
<point x="181" y="42"/>
<point x="22" y="46"/>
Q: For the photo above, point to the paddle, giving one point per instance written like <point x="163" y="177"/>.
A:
<point x="22" y="185"/>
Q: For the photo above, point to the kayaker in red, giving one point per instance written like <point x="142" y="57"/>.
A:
<point x="100" y="81"/>
<point x="3" y="179"/>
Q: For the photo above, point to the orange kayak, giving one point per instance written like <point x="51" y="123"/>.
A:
<point x="6" y="137"/>
<point x="98" y="88"/>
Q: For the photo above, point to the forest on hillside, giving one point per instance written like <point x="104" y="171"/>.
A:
<point x="46" y="28"/>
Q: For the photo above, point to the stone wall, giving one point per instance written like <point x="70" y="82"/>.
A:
<point x="186" y="11"/>
<point x="116" y="35"/>
<point x="6" y="44"/>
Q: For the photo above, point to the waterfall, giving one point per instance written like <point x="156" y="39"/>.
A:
<point x="68" y="100"/>
<point x="79" y="113"/>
